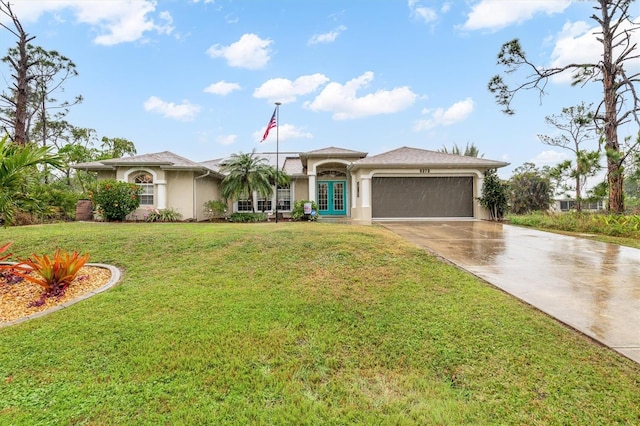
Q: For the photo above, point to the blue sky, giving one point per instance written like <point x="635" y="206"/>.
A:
<point x="200" y="78"/>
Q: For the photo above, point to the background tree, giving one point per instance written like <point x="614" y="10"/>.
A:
<point x="494" y="195"/>
<point x="15" y="118"/>
<point x="530" y="189"/>
<point x="576" y="126"/>
<point x="632" y="181"/>
<point x="48" y="72"/>
<point x="116" y="148"/>
<point x="246" y="173"/>
<point x="51" y="71"/>
<point x="469" y="150"/>
<point x="620" y="102"/>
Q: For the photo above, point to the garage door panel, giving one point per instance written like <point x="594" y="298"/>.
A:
<point x="415" y="197"/>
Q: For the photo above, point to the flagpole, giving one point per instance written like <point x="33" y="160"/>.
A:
<point x="277" y="152"/>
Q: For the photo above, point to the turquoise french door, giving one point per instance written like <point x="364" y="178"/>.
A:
<point x="332" y="196"/>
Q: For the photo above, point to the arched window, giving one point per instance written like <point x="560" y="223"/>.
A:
<point x="145" y="181"/>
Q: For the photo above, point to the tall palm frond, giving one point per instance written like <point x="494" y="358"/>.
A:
<point x="15" y="162"/>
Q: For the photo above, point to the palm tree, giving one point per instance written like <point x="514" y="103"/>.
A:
<point x="246" y="173"/>
<point x="15" y="161"/>
<point x="469" y="150"/>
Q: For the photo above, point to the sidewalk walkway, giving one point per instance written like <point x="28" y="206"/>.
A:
<point x="591" y="286"/>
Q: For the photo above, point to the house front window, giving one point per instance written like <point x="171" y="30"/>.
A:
<point x="284" y="199"/>
<point x="145" y="182"/>
<point x="244" y="204"/>
<point x="263" y="204"/>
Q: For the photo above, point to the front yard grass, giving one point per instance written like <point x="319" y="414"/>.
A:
<point x="295" y="323"/>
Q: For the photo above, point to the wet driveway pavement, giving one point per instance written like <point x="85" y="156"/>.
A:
<point x="591" y="286"/>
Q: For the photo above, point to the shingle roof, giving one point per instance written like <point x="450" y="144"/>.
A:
<point x="333" y="152"/>
<point x="165" y="159"/>
<point x="271" y="157"/>
<point x="287" y="161"/>
<point x="415" y="157"/>
<point x="293" y="163"/>
<point x="212" y="164"/>
<point x="293" y="166"/>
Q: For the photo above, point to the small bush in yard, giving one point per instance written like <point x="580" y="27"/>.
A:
<point x="298" y="210"/>
<point x="215" y="209"/>
<point x="53" y="274"/>
<point x="115" y="199"/>
<point x="248" y="217"/>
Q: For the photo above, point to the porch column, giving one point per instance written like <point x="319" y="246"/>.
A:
<point x="365" y="191"/>
<point x="354" y="193"/>
<point x="161" y="203"/>
<point x="312" y="187"/>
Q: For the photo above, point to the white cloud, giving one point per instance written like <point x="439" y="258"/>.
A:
<point x="497" y="14"/>
<point x="441" y="117"/>
<point x="284" y="132"/>
<point x="116" y="22"/>
<point x="185" y="111"/>
<point x="343" y="102"/>
<point x="250" y="52"/>
<point x="286" y="91"/>
<point x="549" y="158"/>
<point x="577" y="44"/>
<point x="222" y="88"/>
<point x="329" y="37"/>
<point x="423" y="13"/>
<point x="231" y="19"/>
<point x="226" y="139"/>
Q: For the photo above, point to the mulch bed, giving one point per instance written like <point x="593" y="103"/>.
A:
<point x="15" y="299"/>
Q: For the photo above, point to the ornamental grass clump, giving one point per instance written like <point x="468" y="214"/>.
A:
<point x="163" y="215"/>
<point x="53" y="274"/>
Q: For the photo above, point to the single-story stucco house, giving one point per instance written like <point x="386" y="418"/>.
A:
<point x="401" y="184"/>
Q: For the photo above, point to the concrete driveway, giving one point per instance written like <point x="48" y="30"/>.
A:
<point x="593" y="287"/>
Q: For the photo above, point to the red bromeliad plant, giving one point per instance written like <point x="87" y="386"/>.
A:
<point x="53" y="274"/>
<point x="2" y="250"/>
<point x="7" y="271"/>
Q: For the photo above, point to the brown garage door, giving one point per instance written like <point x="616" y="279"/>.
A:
<point x="414" y="197"/>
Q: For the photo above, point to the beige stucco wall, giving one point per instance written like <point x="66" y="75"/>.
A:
<point x="208" y="188"/>
<point x="106" y="174"/>
<point x="180" y="192"/>
<point x="360" y="207"/>
<point x="300" y="189"/>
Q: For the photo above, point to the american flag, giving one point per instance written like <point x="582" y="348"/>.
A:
<point x="271" y="125"/>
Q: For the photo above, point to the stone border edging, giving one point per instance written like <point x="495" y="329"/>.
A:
<point x="116" y="275"/>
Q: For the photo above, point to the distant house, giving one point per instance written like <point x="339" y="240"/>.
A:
<point x="568" y="204"/>
<point x="401" y="184"/>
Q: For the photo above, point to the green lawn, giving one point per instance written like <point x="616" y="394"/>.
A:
<point x="295" y="323"/>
